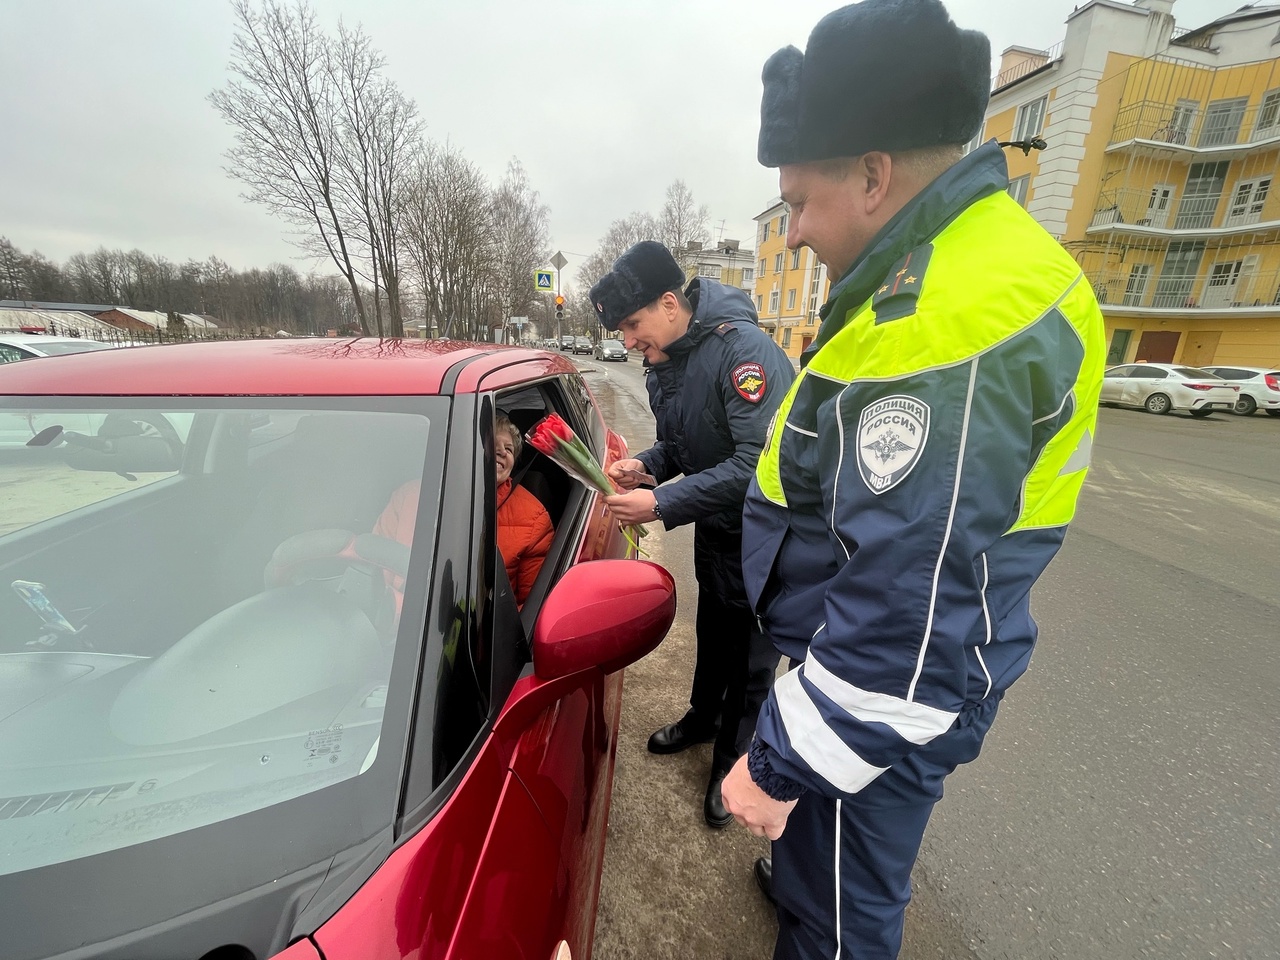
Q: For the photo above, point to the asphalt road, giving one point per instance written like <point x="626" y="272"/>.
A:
<point x="1125" y="804"/>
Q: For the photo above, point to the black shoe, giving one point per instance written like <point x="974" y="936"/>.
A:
<point x="675" y="737"/>
<point x="713" y="809"/>
<point x="764" y="878"/>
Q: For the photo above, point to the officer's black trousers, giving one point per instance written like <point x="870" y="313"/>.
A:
<point x="842" y="868"/>
<point x="735" y="668"/>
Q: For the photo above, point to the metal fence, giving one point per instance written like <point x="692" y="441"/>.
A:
<point x="1223" y="123"/>
<point x="1030" y="65"/>
<point x="1222" y="286"/>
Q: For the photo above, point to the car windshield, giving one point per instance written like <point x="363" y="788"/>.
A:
<point x="55" y="348"/>
<point x="199" y="608"/>
<point x="1195" y="373"/>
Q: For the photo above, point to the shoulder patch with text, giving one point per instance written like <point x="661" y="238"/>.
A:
<point x="891" y="437"/>
<point x="749" y="380"/>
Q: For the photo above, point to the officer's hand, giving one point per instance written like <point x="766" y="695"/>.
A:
<point x="623" y="473"/>
<point x="751" y="806"/>
<point x="634" y="507"/>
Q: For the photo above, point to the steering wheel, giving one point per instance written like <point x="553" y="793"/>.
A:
<point x="319" y="554"/>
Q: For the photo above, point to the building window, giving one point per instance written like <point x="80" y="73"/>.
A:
<point x="1268" y="117"/>
<point x="1031" y="119"/>
<point x="795" y="259"/>
<point x="791" y="300"/>
<point x="763" y="271"/>
<point x="773" y="301"/>
<point x="782" y="225"/>
<point x="1247" y="202"/>
<point x="1222" y="122"/>
<point x="777" y="263"/>
<point x="759" y="302"/>
<point x="764" y="237"/>
<point x="1018" y="189"/>
<point x="1139" y="273"/>
<point x="1201" y="195"/>
<point x="813" y="306"/>
<point x="1178" y="275"/>
<point x="711" y="270"/>
<point x="786" y="337"/>
<point x="748" y="274"/>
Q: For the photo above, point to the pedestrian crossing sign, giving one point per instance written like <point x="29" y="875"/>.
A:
<point x="543" y="281"/>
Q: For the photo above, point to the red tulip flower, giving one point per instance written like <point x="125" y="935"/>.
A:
<point x="554" y="438"/>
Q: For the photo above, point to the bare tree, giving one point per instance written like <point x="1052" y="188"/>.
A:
<point x="12" y="275"/>
<point x="681" y="223"/>
<point x="450" y="236"/>
<point x="521" y="233"/>
<point x="283" y="110"/>
<point x="621" y="234"/>
<point x="379" y="129"/>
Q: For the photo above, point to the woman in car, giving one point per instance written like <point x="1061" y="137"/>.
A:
<point x="525" y="531"/>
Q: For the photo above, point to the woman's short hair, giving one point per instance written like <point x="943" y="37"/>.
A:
<point x="503" y="422"/>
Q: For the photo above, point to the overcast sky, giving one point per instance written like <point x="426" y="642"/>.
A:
<point x="107" y="139"/>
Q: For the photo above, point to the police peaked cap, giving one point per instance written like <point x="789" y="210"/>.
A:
<point x="878" y="75"/>
<point x="640" y="276"/>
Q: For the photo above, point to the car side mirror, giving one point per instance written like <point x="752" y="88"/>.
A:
<point x="603" y="613"/>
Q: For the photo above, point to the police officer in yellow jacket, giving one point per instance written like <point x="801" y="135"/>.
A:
<point x="920" y="473"/>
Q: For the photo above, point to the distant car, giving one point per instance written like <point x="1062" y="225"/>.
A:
<point x="549" y="343"/>
<point x="566" y="342"/>
<point x="24" y="346"/>
<point x="581" y="345"/>
<point x="1162" y="387"/>
<point x="611" y="350"/>
<point x="1259" y="388"/>
<point x="219" y="646"/>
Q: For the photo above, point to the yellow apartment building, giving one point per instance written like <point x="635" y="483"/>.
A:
<point x="1163" y="144"/>
<point x="790" y="285"/>
<point x="726" y="260"/>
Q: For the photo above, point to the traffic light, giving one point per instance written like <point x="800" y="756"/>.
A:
<point x="559" y="307"/>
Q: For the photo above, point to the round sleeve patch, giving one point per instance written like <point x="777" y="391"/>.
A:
<point x="750" y="382"/>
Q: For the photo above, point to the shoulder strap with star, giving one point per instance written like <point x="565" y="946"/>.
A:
<point x="896" y="297"/>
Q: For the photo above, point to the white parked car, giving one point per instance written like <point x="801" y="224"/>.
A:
<point x="1259" y="388"/>
<point x="24" y="346"/>
<point x="1162" y="387"/>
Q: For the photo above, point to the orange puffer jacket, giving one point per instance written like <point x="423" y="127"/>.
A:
<point x="524" y="536"/>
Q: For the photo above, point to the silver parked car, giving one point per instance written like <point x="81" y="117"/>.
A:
<point x="611" y="350"/>
<point x="1162" y="387"/>
<point x="1259" y="388"/>
<point x="23" y="346"/>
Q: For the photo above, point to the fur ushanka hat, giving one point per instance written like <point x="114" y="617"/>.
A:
<point x="877" y="75"/>
<point x="640" y="276"/>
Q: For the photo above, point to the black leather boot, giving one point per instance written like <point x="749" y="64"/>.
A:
<point x="680" y="735"/>
<point x="764" y="878"/>
<point x="713" y="809"/>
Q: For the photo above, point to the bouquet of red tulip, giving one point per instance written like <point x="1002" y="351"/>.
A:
<point x="555" y="438"/>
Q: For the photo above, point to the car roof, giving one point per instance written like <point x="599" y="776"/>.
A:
<point x="1240" y="366"/>
<point x="301" y="367"/>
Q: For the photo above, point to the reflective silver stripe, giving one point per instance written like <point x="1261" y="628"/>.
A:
<point x="815" y="743"/>
<point x="946" y="537"/>
<point x="915" y="722"/>
<point x="977" y="652"/>
<point x="808" y="433"/>
<point x="986" y="613"/>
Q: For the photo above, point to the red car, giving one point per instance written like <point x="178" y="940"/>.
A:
<point x="235" y="723"/>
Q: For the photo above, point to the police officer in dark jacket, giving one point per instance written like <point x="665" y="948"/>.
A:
<point x="714" y="380"/>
